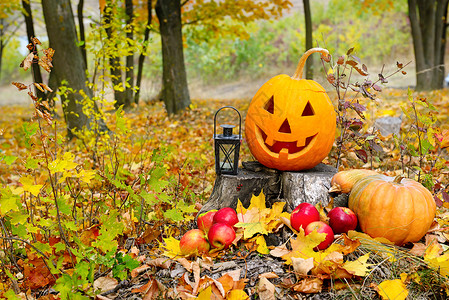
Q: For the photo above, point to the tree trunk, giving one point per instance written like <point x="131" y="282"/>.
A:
<point x="68" y="64"/>
<point x="309" y="41"/>
<point x="143" y="54"/>
<point x="175" y="90"/>
<point x="1" y="45"/>
<point x="82" y="31"/>
<point x="37" y="76"/>
<point x="428" y="22"/>
<point x="129" y="88"/>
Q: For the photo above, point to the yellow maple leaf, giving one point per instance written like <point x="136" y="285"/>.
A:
<point x="86" y="175"/>
<point x="253" y="223"/>
<point x="358" y="267"/>
<point x="440" y="263"/>
<point x="65" y="164"/>
<point x="303" y="245"/>
<point x="393" y="289"/>
<point x="257" y="218"/>
<point x="171" y="248"/>
<point x="29" y="186"/>
<point x="261" y="245"/>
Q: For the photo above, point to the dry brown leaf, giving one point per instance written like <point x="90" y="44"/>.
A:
<point x="162" y="262"/>
<point x="418" y="249"/>
<point x="26" y="63"/>
<point x="135" y="272"/>
<point x="266" y="289"/>
<point x="235" y="274"/>
<point x="105" y="283"/>
<point x="280" y="251"/>
<point x="196" y="275"/>
<point x="268" y="275"/>
<point x="187" y="264"/>
<point x="227" y="282"/>
<point x="46" y="87"/>
<point x="302" y="266"/>
<point x="39" y="87"/>
<point x="309" y="286"/>
<point x="19" y="85"/>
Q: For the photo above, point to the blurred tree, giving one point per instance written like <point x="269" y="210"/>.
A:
<point x="216" y="17"/>
<point x="82" y="31"/>
<point x="142" y="55"/>
<point x="69" y="66"/>
<point x="309" y="41"/>
<point x="37" y="76"/>
<point x="428" y="21"/>
<point x="175" y="92"/>
<point x="8" y="23"/>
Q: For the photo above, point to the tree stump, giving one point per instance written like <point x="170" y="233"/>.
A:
<point x="251" y="180"/>
<point x="309" y="186"/>
<point x="291" y="187"/>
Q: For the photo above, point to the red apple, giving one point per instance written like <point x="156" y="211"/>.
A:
<point x="342" y="219"/>
<point x="221" y="235"/>
<point x="304" y="214"/>
<point x="321" y="227"/>
<point x="194" y="242"/>
<point x="205" y="220"/>
<point x="226" y="215"/>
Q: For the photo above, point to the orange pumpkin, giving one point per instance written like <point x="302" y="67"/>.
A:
<point x="398" y="209"/>
<point x="290" y="124"/>
<point x="343" y="181"/>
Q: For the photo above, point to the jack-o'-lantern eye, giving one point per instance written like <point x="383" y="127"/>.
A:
<point x="269" y="106"/>
<point x="308" y="110"/>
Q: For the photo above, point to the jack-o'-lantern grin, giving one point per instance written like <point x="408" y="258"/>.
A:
<point x="278" y="146"/>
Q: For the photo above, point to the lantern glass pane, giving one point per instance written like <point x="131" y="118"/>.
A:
<point x="227" y="157"/>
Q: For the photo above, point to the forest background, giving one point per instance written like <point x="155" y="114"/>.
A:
<point x="220" y="65"/>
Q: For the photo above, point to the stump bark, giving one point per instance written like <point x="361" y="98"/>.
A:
<point x="291" y="187"/>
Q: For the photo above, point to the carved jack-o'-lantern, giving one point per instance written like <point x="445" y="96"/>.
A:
<point x="290" y="124"/>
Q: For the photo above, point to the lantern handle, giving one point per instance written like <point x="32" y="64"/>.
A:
<point x="240" y="120"/>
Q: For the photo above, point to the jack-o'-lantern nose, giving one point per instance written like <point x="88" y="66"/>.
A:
<point x="285" y="127"/>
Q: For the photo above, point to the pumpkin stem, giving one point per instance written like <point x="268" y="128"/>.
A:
<point x="398" y="179"/>
<point x="302" y="61"/>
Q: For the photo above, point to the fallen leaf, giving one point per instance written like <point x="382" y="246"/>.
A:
<point x="105" y="283"/>
<point x="160" y="262"/>
<point x="392" y="289"/>
<point x="234" y="274"/>
<point x="237" y="294"/>
<point x="358" y="267"/>
<point x="302" y="266"/>
<point x="135" y="272"/>
<point x="268" y="275"/>
<point x="265" y="289"/>
<point x="309" y="286"/>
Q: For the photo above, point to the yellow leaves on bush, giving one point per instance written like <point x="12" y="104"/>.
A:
<point x="443" y="138"/>
<point x="66" y="165"/>
<point x="29" y="186"/>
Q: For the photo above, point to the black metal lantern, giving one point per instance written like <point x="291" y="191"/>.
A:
<point x="227" y="146"/>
